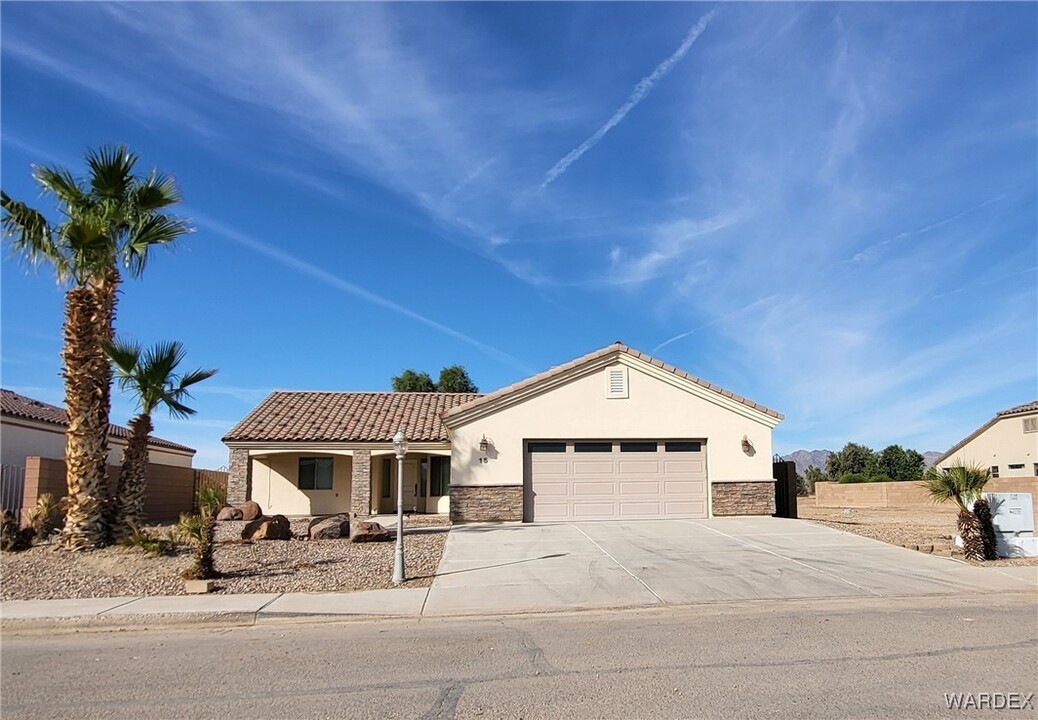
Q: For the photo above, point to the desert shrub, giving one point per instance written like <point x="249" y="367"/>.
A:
<point x="879" y="478"/>
<point x="12" y="537"/>
<point x="204" y="566"/>
<point x="147" y="542"/>
<point x="848" y="478"/>
<point x="47" y="516"/>
<point x="210" y="498"/>
<point x="189" y="529"/>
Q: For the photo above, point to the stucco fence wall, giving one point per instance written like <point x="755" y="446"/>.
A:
<point x="908" y="494"/>
<point x="170" y="488"/>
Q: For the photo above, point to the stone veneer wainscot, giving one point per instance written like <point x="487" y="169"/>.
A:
<point x="239" y="477"/>
<point x="743" y="498"/>
<point x="486" y="503"/>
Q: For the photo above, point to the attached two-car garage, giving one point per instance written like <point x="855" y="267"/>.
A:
<point x="615" y="480"/>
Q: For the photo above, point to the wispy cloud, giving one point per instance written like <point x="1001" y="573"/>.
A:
<point x="640" y="92"/>
<point x="332" y="280"/>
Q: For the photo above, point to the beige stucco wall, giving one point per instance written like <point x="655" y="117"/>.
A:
<point x="20" y="439"/>
<point x="275" y="485"/>
<point x="657" y="408"/>
<point x="1003" y="444"/>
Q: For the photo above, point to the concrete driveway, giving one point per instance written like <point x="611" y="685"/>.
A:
<point x="524" y="568"/>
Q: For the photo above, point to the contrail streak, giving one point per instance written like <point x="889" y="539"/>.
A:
<point x="642" y="89"/>
<point x="338" y="283"/>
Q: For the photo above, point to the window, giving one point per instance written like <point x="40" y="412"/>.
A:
<point x="637" y="447"/>
<point x="543" y="447"/>
<point x="682" y="446"/>
<point x="1031" y="425"/>
<point x="1016" y="466"/>
<point x="994" y="471"/>
<point x="593" y="447"/>
<point x="315" y="473"/>
<point x="387" y="477"/>
<point x="1035" y="468"/>
<point x="440" y="480"/>
<point x="423" y="477"/>
<point x="616" y="382"/>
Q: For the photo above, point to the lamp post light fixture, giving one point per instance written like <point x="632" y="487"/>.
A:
<point x="400" y="448"/>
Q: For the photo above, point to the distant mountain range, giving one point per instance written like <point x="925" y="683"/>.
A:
<point x="805" y="458"/>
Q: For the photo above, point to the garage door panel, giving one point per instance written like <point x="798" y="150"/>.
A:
<point x="641" y="487"/>
<point x="612" y="486"/>
<point x="582" y="488"/>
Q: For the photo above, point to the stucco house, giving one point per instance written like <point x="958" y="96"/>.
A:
<point x="1007" y="444"/>
<point x="615" y="434"/>
<point x="32" y="428"/>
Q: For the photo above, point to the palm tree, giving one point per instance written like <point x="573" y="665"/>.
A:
<point x="964" y="484"/>
<point x="111" y="219"/>
<point x="152" y="376"/>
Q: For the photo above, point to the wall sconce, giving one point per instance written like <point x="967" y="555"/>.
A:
<point x="747" y="446"/>
<point x="484" y="445"/>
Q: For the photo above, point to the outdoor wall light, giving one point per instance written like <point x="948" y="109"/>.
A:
<point x="484" y="445"/>
<point x="747" y="446"/>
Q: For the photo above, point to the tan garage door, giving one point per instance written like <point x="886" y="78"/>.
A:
<point x="615" y="480"/>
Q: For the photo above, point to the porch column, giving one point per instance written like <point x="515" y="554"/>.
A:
<point x="360" y="493"/>
<point x="239" y="477"/>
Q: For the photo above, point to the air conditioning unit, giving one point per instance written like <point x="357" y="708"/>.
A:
<point x="1012" y="514"/>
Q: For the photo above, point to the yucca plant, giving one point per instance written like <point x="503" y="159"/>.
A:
<point x="211" y="498"/>
<point x="200" y="531"/>
<point x="46" y="516"/>
<point x="964" y="484"/>
<point x="147" y="542"/>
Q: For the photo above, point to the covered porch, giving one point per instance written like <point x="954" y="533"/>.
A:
<point x="426" y="486"/>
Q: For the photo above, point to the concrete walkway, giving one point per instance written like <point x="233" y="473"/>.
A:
<point x="499" y="569"/>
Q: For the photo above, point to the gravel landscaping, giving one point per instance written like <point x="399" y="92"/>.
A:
<point x="267" y="566"/>
<point x="916" y="528"/>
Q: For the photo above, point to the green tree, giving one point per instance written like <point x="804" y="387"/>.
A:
<point x="151" y="375"/>
<point x="964" y="485"/>
<point x="455" y="379"/>
<point x="411" y="381"/>
<point x="900" y="464"/>
<point x="811" y="476"/>
<point x="853" y="458"/>
<point x="110" y="221"/>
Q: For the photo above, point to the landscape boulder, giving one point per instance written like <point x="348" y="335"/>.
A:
<point x="230" y="513"/>
<point x="329" y="527"/>
<point x="251" y="511"/>
<point x="370" y="532"/>
<point x="268" y="528"/>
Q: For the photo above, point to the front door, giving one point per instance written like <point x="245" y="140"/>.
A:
<point x="411" y="498"/>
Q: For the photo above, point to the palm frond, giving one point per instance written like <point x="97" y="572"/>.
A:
<point x="154" y="230"/>
<point x="30" y="234"/>
<point x="125" y="356"/>
<point x="196" y="376"/>
<point x="60" y="183"/>
<point x="111" y="171"/>
<point x="155" y="192"/>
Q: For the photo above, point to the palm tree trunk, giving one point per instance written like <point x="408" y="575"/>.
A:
<point x="87" y="392"/>
<point x="989" y="542"/>
<point x="129" y="496"/>
<point x="969" y="531"/>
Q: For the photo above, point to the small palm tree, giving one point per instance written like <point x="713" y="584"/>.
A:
<point x="964" y="485"/>
<point x="110" y="219"/>
<point x="152" y="376"/>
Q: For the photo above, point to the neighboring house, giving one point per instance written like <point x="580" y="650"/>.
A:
<point x="1007" y="444"/>
<point x="29" y="427"/>
<point x="615" y="434"/>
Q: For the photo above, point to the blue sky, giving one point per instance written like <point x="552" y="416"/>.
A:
<point x="828" y="208"/>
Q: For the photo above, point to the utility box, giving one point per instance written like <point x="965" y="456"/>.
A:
<point x="1012" y="514"/>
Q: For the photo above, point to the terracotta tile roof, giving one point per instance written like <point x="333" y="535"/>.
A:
<point x="347" y="417"/>
<point x="14" y="405"/>
<point x="610" y="349"/>
<point x="1008" y="412"/>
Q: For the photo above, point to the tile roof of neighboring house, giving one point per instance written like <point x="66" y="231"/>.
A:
<point x="14" y="405"/>
<point x="1009" y="412"/>
<point x="590" y="357"/>
<point x="347" y="417"/>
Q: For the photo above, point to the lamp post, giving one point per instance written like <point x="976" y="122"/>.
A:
<point x="400" y="447"/>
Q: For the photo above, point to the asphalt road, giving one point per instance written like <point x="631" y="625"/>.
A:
<point x="846" y="657"/>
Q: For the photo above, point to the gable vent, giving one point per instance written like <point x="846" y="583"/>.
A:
<point x="1031" y="425"/>
<point x="616" y="382"/>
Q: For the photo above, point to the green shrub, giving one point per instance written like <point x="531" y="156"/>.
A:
<point x="204" y="566"/>
<point x="147" y="542"/>
<point x="847" y="478"/>
<point x="47" y="516"/>
<point x="880" y="478"/>
<point x="12" y="537"/>
<point x="210" y="498"/>
<point x="189" y="529"/>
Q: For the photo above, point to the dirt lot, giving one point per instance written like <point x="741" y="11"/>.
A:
<point x="911" y="527"/>
<point x="45" y="572"/>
